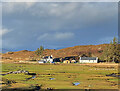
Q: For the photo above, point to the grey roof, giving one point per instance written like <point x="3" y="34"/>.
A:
<point x="88" y="58"/>
<point x="41" y="60"/>
<point x="47" y="57"/>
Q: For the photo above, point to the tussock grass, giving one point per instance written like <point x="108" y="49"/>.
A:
<point x="64" y="74"/>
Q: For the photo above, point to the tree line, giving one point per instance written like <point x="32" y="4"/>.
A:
<point x="110" y="54"/>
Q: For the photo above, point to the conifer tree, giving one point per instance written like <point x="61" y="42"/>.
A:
<point x="112" y="52"/>
<point x="39" y="51"/>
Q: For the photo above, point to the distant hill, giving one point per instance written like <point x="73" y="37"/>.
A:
<point x="93" y="50"/>
<point x="3" y="50"/>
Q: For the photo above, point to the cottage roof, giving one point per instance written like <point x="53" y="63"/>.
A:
<point x="88" y="58"/>
<point x="67" y="58"/>
<point x="41" y="61"/>
<point x="47" y="57"/>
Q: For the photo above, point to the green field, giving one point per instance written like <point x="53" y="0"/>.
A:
<point x="89" y="76"/>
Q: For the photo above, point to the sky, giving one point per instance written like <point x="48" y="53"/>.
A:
<point x="28" y="25"/>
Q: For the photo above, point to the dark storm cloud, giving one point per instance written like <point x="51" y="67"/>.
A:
<point x="57" y="25"/>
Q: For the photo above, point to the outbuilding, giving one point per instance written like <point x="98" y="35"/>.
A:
<point x="88" y="60"/>
<point x="66" y="61"/>
<point x="41" y="61"/>
<point x="56" y="60"/>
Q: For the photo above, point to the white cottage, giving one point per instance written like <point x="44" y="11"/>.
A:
<point x="48" y="59"/>
<point x="88" y="60"/>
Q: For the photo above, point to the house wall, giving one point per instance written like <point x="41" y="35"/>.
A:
<point x="66" y="61"/>
<point x="50" y="60"/>
<point x="88" y="61"/>
<point x="40" y="62"/>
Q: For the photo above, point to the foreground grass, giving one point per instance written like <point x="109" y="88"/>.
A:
<point x="93" y="77"/>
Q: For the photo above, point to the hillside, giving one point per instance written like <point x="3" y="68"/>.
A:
<point x="94" y="50"/>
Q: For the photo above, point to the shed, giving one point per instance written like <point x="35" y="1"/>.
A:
<point x="66" y="61"/>
<point x="73" y="61"/>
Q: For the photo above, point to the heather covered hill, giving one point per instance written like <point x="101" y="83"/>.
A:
<point x="94" y="50"/>
<point x="88" y="50"/>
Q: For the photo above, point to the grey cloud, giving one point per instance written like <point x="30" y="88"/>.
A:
<point x="35" y="23"/>
<point x="4" y="31"/>
<point x="56" y="36"/>
<point x="65" y="15"/>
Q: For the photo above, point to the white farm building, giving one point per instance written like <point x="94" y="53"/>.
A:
<point x="48" y="59"/>
<point x="88" y="60"/>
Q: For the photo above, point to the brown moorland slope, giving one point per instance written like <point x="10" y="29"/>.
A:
<point x="94" y="50"/>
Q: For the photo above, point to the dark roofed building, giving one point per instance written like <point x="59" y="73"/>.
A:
<point x="56" y="60"/>
<point x="70" y="57"/>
